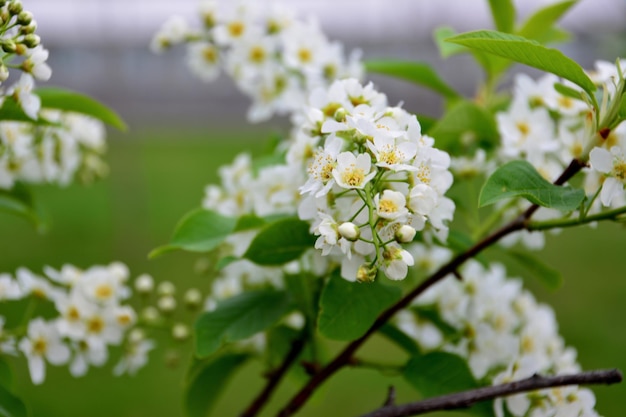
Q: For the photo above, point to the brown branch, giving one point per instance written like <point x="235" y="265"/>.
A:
<point x="274" y="378"/>
<point x="343" y="358"/>
<point x="390" y="401"/>
<point x="467" y="398"/>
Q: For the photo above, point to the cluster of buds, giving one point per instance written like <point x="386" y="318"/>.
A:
<point x="374" y="180"/>
<point x="91" y="317"/>
<point x="272" y="57"/>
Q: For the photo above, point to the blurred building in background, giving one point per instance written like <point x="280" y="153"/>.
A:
<point x="100" y="47"/>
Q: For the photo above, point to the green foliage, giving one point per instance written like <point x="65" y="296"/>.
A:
<point x="11" y="111"/>
<point x="199" y="231"/>
<point x="348" y="309"/>
<point x="540" y="25"/>
<point x="415" y="72"/>
<point x="549" y="276"/>
<point x="208" y="381"/>
<point x="447" y="49"/>
<point x="528" y="52"/>
<point x="569" y="91"/>
<point x="10" y="405"/>
<point x="238" y="318"/>
<point x="400" y="338"/>
<point x="61" y="99"/>
<point x="521" y="179"/>
<point x="503" y="12"/>
<point x="305" y="290"/>
<point x="19" y="201"/>
<point x="465" y="123"/>
<point x="280" y="242"/>
<point x="440" y="373"/>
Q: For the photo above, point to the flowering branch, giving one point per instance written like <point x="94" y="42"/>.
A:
<point x="467" y="398"/>
<point x="344" y="357"/>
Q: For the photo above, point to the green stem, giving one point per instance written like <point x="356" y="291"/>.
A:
<point x="562" y="223"/>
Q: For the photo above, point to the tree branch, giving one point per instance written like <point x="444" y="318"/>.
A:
<point x="467" y="398"/>
<point x="275" y="377"/>
<point x="343" y="358"/>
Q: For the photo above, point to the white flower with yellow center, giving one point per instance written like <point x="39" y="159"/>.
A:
<point x="321" y="168"/>
<point x="203" y="59"/>
<point x="396" y="262"/>
<point x="392" y="153"/>
<point x="43" y="342"/>
<point x="353" y="172"/>
<point x="613" y="165"/>
<point x="391" y="205"/>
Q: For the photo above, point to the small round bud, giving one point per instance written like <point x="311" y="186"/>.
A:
<point x="4" y="16"/>
<point x="136" y="336"/>
<point x="167" y="304"/>
<point x="166" y="288"/>
<point x="15" y="8"/>
<point x="349" y="231"/>
<point x="180" y="332"/>
<point x="4" y="73"/>
<point x="24" y="18"/>
<point x="150" y="315"/>
<point x="8" y="46"/>
<point x="31" y="40"/>
<point x="117" y="269"/>
<point x="193" y="298"/>
<point x="20" y="48"/>
<point x="405" y="234"/>
<point x="340" y="114"/>
<point x="144" y="284"/>
<point x="28" y="29"/>
<point x="365" y="273"/>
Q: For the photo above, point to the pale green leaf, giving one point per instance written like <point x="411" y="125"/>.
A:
<point x="540" y="25"/>
<point x="238" y="318"/>
<point x="415" y="72"/>
<point x="199" y="231"/>
<point x="503" y="12"/>
<point x="280" y="242"/>
<point x="528" y="52"/>
<point x="348" y="309"/>
<point x="209" y="381"/>
<point x="447" y="49"/>
<point x="66" y="100"/>
<point x="440" y="373"/>
<point x="549" y="276"/>
<point x="521" y="179"/>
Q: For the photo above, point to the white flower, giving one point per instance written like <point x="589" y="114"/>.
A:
<point x="37" y="286"/>
<point x="321" y="168"/>
<point x="612" y="164"/>
<point x="135" y="357"/>
<point x="85" y="354"/>
<point x="203" y="59"/>
<point x="43" y="342"/>
<point x="22" y="91"/>
<point x="36" y="65"/>
<point x="391" y="205"/>
<point x="353" y="172"/>
<point x="393" y="153"/>
<point x="173" y="31"/>
<point x="396" y="262"/>
<point x="9" y="288"/>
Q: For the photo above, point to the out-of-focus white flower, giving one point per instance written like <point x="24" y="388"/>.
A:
<point x="43" y="342"/>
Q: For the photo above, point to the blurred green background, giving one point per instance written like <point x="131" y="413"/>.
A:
<point x="157" y="176"/>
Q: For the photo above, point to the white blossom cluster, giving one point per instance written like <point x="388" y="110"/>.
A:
<point x="273" y="57"/>
<point x="70" y="148"/>
<point x="550" y="129"/>
<point x="373" y="180"/>
<point x="504" y="334"/>
<point x="91" y="317"/>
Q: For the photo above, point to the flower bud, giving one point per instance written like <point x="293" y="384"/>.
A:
<point x="405" y="234"/>
<point x="150" y="315"/>
<point x="193" y="298"/>
<point x="15" y="8"/>
<point x="31" y="40"/>
<point x="28" y="29"/>
<point x="340" y="114"/>
<point x="8" y="46"/>
<point x="144" y="284"/>
<point x="24" y="18"/>
<point x="365" y="273"/>
<point x="166" y="288"/>
<point x="180" y="332"/>
<point x="4" y="73"/>
<point x="349" y="231"/>
<point x="136" y="336"/>
<point x="167" y="304"/>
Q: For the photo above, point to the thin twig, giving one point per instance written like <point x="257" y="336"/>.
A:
<point x="343" y="358"/>
<point x="391" y="397"/>
<point x="274" y="378"/>
<point x="467" y="398"/>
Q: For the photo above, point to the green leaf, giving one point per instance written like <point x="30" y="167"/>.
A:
<point x="400" y="338"/>
<point x="11" y="111"/>
<point x="521" y="179"/>
<point x="6" y="376"/>
<point x="280" y="242"/>
<point x="570" y="92"/>
<point x="415" y="72"/>
<point x="464" y="123"/>
<point x="540" y="25"/>
<point x="503" y="12"/>
<point x="447" y="49"/>
<point x="225" y="261"/>
<point x="10" y="405"/>
<point x="622" y="108"/>
<point x="528" y="52"/>
<point x="248" y="222"/>
<point x="440" y="373"/>
<point x="551" y="277"/>
<point x="199" y="231"/>
<point x="348" y="309"/>
<point x="19" y="202"/>
<point x="66" y="100"/>
<point x="305" y="291"/>
<point x="238" y="318"/>
<point x="209" y="381"/>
